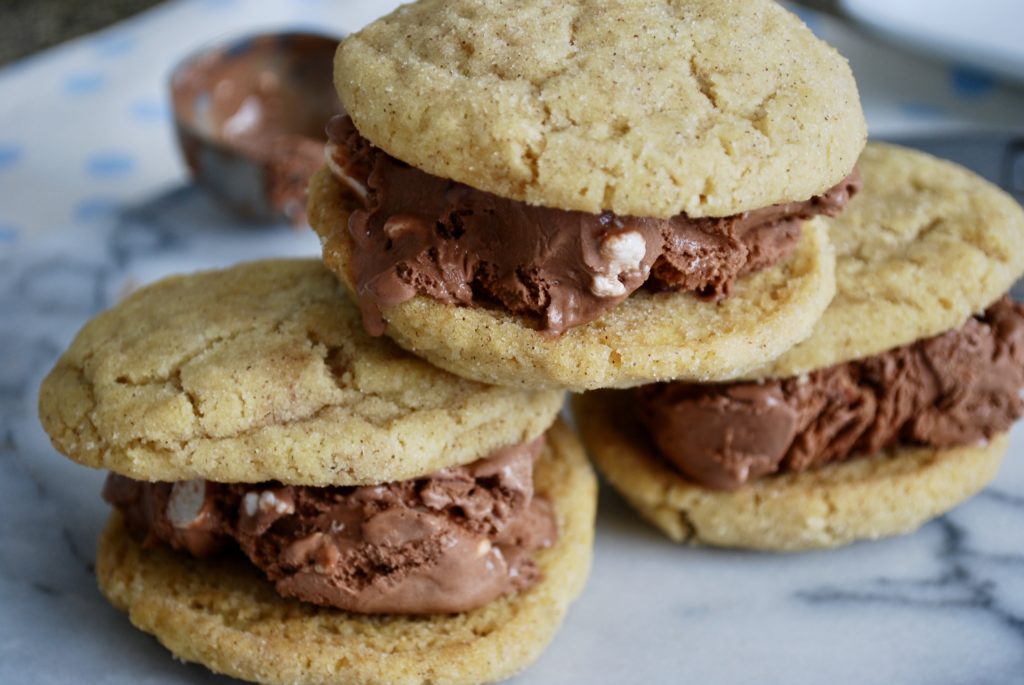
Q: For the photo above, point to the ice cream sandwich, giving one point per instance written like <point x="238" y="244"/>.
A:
<point x="588" y="194"/>
<point x="296" y="501"/>
<point x="893" y="411"/>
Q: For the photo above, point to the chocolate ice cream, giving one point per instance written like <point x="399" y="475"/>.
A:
<point x="952" y="389"/>
<point x="444" y="543"/>
<point x="413" y="233"/>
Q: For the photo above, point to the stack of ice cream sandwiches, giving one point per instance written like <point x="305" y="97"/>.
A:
<point x="354" y="471"/>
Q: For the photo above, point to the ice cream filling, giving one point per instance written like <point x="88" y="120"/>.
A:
<point x="411" y="233"/>
<point x="956" y="388"/>
<point x="445" y="543"/>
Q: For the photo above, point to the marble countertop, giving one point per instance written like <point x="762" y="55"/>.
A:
<point x="94" y="201"/>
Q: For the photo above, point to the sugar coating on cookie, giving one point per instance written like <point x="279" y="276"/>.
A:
<point x="263" y="372"/>
<point x="926" y="244"/>
<point x="648" y="337"/>
<point x="889" y="493"/>
<point x="225" y="616"/>
<point x="703" y="107"/>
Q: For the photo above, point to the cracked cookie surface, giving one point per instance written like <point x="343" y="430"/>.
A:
<point x="263" y="372"/>
<point x="221" y="613"/>
<point x="889" y="493"/>
<point x="925" y="245"/>
<point x="708" y="107"/>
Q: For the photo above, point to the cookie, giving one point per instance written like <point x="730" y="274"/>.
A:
<point x="262" y="372"/>
<point x="888" y="493"/>
<point x="926" y="244"/>
<point x="648" y="336"/>
<point x="221" y="614"/>
<point x="703" y="107"/>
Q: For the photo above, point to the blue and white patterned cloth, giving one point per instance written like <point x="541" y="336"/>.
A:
<point x="85" y="128"/>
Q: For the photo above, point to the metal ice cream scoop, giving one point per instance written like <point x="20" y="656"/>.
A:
<point x="250" y="116"/>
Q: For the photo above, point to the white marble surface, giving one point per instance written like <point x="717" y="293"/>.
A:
<point x="93" y="201"/>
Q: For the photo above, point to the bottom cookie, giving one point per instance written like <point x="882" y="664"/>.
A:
<point x="223" y="614"/>
<point x="886" y="494"/>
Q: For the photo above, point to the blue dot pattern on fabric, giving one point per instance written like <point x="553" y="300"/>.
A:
<point x="8" y="233"/>
<point x="10" y="154"/>
<point x="110" y="165"/>
<point x="84" y="83"/>
<point x="94" y="208"/>
<point x="114" y="45"/>
<point x="150" y="111"/>
<point x="971" y="83"/>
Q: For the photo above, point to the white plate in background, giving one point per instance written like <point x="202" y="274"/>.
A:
<point x="982" y="33"/>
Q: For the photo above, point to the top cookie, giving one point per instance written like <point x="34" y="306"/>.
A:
<point x="923" y="246"/>
<point x="708" y="107"/>
<point x="263" y="372"/>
